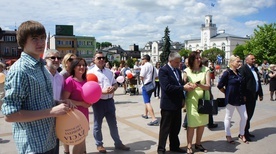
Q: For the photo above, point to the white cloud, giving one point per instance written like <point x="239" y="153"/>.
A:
<point x="165" y="19"/>
<point x="253" y="24"/>
<point x="126" y="22"/>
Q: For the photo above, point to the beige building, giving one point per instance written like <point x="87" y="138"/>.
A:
<point x="66" y="42"/>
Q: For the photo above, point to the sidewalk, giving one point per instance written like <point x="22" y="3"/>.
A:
<point x="143" y="139"/>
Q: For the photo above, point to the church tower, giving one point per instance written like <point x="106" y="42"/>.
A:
<point x="208" y="30"/>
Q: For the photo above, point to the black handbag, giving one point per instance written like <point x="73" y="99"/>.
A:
<point x="150" y="87"/>
<point x="206" y="106"/>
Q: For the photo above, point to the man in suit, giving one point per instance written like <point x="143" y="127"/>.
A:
<point x="253" y="90"/>
<point x="172" y="95"/>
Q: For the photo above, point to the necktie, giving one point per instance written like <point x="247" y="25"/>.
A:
<point x="176" y="74"/>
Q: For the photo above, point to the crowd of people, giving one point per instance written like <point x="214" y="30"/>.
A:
<point x="36" y="91"/>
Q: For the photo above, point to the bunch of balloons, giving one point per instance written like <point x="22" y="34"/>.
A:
<point x="129" y="74"/>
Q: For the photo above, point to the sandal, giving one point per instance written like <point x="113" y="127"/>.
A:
<point x="242" y="137"/>
<point x="66" y="152"/>
<point x="230" y="140"/>
<point x="190" y="150"/>
<point x="200" y="148"/>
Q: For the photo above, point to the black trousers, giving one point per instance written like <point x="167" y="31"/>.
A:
<point x="250" y="108"/>
<point x="169" y="126"/>
<point x="157" y="89"/>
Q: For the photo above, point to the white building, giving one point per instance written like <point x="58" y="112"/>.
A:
<point x="211" y="38"/>
<point x="154" y="49"/>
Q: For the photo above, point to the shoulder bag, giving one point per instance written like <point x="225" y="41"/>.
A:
<point x="207" y="106"/>
<point x="150" y="87"/>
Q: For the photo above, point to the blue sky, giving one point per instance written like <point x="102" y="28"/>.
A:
<point x="127" y="22"/>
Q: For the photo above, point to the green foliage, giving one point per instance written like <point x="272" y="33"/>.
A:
<point x="212" y="53"/>
<point x="106" y="44"/>
<point x="130" y="63"/>
<point x="103" y="45"/>
<point x="166" y="47"/>
<point x="184" y="52"/>
<point x="263" y="43"/>
<point x="116" y="63"/>
<point x="98" y="45"/>
<point x="239" y="51"/>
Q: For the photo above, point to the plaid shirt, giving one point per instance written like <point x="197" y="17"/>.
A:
<point x="29" y="88"/>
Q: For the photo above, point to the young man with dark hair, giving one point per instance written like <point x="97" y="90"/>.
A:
<point x="28" y="101"/>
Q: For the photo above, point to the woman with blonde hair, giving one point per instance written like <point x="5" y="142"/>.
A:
<point x="232" y="85"/>
<point x="66" y="63"/>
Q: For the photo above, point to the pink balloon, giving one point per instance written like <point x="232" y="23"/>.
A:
<point x="120" y="79"/>
<point x="91" y="92"/>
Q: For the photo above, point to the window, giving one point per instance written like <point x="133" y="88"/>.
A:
<point x="205" y="47"/>
<point x="154" y="59"/>
<point x="7" y="51"/>
<point x="9" y="38"/>
<point x="59" y="42"/>
<point x="214" y="45"/>
<point x="223" y="46"/>
<point x="14" y="51"/>
<point x="190" y="47"/>
<point x="154" y="49"/>
<point x="197" y="46"/>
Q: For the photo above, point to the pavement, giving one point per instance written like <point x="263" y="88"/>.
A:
<point x="143" y="139"/>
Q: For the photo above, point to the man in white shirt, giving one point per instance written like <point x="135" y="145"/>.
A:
<point x="53" y="59"/>
<point x="105" y="107"/>
<point x="147" y="75"/>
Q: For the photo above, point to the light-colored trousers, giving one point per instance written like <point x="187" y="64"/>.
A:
<point x="229" y="114"/>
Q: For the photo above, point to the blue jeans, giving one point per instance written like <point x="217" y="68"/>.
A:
<point x="101" y="109"/>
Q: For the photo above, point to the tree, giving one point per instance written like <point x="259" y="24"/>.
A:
<point x="239" y="51"/>
<point x="103" y="45"/>
<point x="263" y="43"/>
<point x="184" y="52"/>
<point x="166" y="47"/>
<point x="212" y="53"/>
<point x="130" y="62"/>
<point x="98" y="45"/>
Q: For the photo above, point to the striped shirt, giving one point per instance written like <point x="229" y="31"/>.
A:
<point x="29" y="88"/>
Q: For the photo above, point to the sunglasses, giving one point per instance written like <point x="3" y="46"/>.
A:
<point x="54" y="58"/>
<point x="100" y="58"/>
<point x="70" y="59"/>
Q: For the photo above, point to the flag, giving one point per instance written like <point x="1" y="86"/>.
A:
<point x="212" y="4"/>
